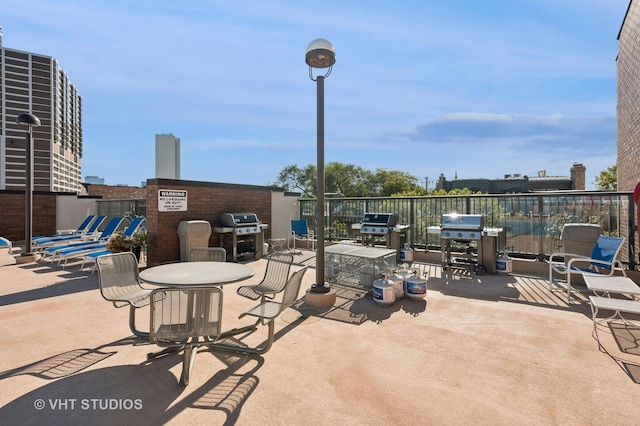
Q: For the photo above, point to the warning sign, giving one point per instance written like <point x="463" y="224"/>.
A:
<point x="171" y="200"/>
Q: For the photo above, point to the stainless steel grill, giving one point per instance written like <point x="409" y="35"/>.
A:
<point x="464" y="231"/>
<point x="383" y="228"/>
<point x="461" y="226"/>
<point x="378" y="223"/>
<point x="241" y="223"/>
<point x="247" y="234"/>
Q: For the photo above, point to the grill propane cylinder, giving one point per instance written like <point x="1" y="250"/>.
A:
<point x="415" y="287"/>
<point x="384" y="291"/>
<point x="398" y="282"/>
<point x="406" y="254"/>
<point x="503" y="264"/>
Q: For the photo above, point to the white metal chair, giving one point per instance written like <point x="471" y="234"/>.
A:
<point x="266" y="313"/>
<point x="185" y="318"/>
<point x="274" y="280"/>
<point x="603" y="261"/>
<point x="618" y="306"/>
<point x="119" y="282"/>
<point x="208" y="254"/>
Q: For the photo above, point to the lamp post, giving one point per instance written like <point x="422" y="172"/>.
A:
<point x="28" y="120"/>
<point x="320" y="54"/>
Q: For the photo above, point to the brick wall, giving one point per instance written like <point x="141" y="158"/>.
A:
<point x="628" y="105"/>
<point x="205" y="201"/>
<point x="116" y="192"/>
<point x="12" y="214"/>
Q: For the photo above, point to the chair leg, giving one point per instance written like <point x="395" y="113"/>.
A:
<point x="132" y="324"/>
<point x="245" y="350"/>
<point x="594" y="333"/>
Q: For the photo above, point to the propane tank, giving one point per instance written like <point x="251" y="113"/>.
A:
<point x="384" y="291"/>
<point x="503" y="264"/>
<point x="415" y="287"/>
<point x="398" y="281"/>
<point x="406" y="253"/>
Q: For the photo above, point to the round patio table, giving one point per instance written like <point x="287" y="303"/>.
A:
<point x="186" y="274"/>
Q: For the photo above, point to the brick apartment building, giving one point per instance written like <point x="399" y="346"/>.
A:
<point x="628" y="106"/>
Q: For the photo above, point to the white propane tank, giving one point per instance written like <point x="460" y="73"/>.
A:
<point x="384" y="291"/>
<point x="265" y="249"/>
<point x="503" y="264"/>
<point x="415" y="287"/>
<point x="406" y="254"/>
<point x="398" y="281"/>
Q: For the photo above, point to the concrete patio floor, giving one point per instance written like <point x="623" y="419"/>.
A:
<point x="497" y="350"/>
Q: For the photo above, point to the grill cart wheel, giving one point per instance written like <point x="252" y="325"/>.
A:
<point x="480" y="270"/>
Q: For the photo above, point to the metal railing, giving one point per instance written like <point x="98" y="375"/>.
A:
<point x="531" y="222"/>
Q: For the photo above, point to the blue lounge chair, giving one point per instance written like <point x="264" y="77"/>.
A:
<point x="101" y="245"/>
<point x="4" y="243"/>
<point x="603" y="261"/>
<point x="133" y="227"/>
<point x="55" y="251"/>
<point x="90" y="233"/>
<point x="78" y="231"/>
<point x="91" y="257"/>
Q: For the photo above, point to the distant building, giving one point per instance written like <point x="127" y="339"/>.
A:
<point x="628" y="104"/>
<point x="95" y="180"/>
<point x="517" y="183"/>
<point x="34" y="83"/>
<point x="167" y="156"/>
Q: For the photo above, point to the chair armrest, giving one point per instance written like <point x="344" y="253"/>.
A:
<point x="562" y="254"/>
<point x="589" y="260"/>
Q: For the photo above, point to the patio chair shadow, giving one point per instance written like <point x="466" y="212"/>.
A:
<point x="77" y="284"/>
<point x="127" y="394"/>
<point x="225" y="391"/>
<point x="626" y="336"/>
<point x="627" y="339"/>
<point x="67" y="363"/>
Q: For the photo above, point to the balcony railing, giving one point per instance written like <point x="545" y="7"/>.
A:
<point x="531" y="222"/>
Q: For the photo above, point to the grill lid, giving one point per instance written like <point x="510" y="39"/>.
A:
<point x="462" y="221"/>
<point x="239" y="219"/>
<point x="385" y="219"/>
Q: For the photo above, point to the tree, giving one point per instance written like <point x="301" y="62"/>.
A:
<point x="607" y="180"/>
<point x="293" y="178"/>
<point x="349" y="180"/>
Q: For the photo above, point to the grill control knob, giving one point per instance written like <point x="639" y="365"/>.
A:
<point x="447" y="234"/>
<point x="472" y="235"/>
<point x="459" y="234"/>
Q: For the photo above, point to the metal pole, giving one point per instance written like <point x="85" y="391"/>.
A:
<point x="319" y="286"/>
<point x="28" y="192"/>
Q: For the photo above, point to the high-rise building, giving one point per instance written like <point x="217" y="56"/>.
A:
<point x="30" y="82"/>
<point x="167" y="156"/>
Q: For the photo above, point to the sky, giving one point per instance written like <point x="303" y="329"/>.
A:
<point x="477" y="89"/>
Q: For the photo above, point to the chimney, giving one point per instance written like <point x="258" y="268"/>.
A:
<point x="542" y="173"/>
<point x="578" y="172"/>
